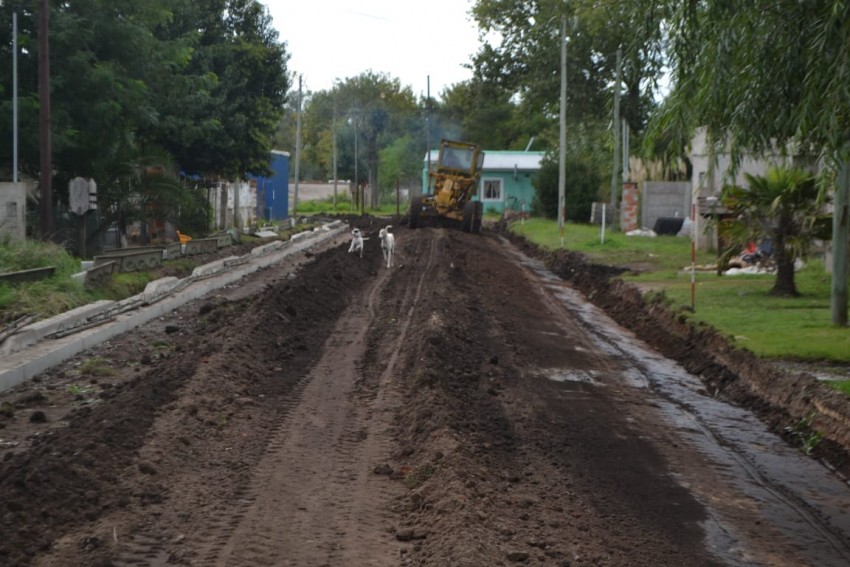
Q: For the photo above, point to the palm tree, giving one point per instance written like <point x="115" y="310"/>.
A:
<point x="782" y="206"/>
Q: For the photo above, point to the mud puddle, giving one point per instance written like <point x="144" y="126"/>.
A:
<point x="768" y="485"/>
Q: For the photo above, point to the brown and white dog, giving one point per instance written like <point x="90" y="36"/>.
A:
<point x="357" y="242"/>
<point x="387" y="244"/>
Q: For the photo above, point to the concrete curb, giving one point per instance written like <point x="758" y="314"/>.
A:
<point x="32" y="353"/>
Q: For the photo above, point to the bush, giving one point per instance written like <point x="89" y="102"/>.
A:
<point x="582" y="189"/>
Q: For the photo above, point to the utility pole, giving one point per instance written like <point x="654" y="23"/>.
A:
<point x="840" y="237"/>
<point x="333" y="126"/>
<point x="297" y="149"/>
<point x="562" y="154"/>
<point x="428" y="133"/>
<point x="15" y="97"/>
<point x="356" y="178"/>
<point x="616" y="124"/>
<point x="45" y="158"/>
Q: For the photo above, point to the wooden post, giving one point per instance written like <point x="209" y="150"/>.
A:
<point x="840" y="237"/>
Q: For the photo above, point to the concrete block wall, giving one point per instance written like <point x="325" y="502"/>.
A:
<point x="664" y="199"/>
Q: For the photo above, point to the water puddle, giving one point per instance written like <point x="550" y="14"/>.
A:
<point x="565" y="375"/>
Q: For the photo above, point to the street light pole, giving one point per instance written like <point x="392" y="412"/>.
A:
<point x="45" y="161"/>
<point x="15" y="97"/>
<point x="615" y="181"/>
<point x="334" y="152"/>
<point x="297" y="149"/>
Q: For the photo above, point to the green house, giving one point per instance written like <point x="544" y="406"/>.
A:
<point x="505" y="179"/>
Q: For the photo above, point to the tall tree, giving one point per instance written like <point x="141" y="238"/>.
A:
<point x="526" y="60"/>
<point x="526" y="64"/>
<point x="483" y="112"/>
<point x="233" y="90"/>
<point x="373" y="108"/>
<point x="205" y="79"/>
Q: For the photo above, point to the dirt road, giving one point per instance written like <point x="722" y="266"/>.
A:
<point x="465" y="408"/>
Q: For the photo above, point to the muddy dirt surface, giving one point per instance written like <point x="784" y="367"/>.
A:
<point x="467" y="407"/>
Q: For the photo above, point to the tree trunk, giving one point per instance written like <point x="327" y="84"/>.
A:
<point x="784" y="284"/>
<point x="373" y="180"/>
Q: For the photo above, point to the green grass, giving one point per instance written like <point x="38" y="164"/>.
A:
<point x="60" y="293"/>
<point x="664" y="253"/>
<point x="46" y="297"/>
<point x="740" y="307"/>
<point x="780" y="327"/>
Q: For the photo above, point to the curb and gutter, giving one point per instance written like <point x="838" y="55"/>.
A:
<point x="39" y="346"/>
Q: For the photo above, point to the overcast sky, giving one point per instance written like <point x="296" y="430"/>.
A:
<point x="410" y="41"/>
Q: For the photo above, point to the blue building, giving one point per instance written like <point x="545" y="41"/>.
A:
<point x="273" y="192"/>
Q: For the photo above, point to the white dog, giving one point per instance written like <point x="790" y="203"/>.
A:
<point x="357" y="242"/>
<point x="387" y="244"/>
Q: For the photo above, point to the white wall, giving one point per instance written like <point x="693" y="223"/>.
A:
<point x="13" y="207"/>
<point x="709" y="177"/>
<point x="247" y="203"/>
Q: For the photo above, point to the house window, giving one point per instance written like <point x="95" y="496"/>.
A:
<point x="491" y="189"/>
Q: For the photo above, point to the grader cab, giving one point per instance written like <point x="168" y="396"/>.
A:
<point x="455" y="183"/>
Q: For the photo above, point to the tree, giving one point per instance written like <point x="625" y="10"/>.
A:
<point x="526" y="66"/>
<point x="781" y="206"/>
<point x="221" y="114"/>
<point x="583" y="183"/>
<point x="145" y="187"/>
<point x="203" y="79"/>
<point x="373" y="108"/>
<point x="761" y="75"/>
<point x="526" y="61"/>
<point x="483" y="112"/>
<point x="401" y="162"/>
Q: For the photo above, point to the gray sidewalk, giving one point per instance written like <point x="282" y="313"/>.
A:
<point x="32" y="350"/>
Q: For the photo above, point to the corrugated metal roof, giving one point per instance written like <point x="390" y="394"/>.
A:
<point x="504" y="161"/>
<point x="526" y="161"/>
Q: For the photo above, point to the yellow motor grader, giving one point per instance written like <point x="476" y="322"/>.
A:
<point x="455" y="183"/>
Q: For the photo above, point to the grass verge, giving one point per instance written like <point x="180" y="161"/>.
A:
<point x="738" y="306"/>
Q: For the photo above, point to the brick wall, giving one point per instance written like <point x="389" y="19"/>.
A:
<point x="629" y="207"/>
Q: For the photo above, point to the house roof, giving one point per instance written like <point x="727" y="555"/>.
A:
<point x="504" y="160"/>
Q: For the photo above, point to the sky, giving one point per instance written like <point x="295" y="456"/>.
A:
<point x="410" y="41"/>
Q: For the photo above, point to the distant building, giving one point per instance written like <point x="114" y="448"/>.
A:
<point x="273" y="191"/>
<point x="711" y="172"/>
<point x="506" y="179"/>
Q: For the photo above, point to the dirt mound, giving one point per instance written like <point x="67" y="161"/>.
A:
<point x="497" y="476"/>
<point x="206" y="364"/>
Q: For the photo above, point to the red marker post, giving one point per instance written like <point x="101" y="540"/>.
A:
<point x="693" y="259"/>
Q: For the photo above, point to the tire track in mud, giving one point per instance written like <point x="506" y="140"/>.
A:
<point x="314" y="498"/>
